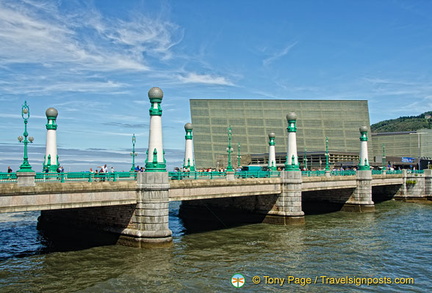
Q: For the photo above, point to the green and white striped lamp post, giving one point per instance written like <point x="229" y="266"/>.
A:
<point x="25" y="113"/>
<point x="364" y="161"/>
<point x="272" y="152"/>
<point x="51" y="162"/>
<point x="327" y="155"/>
<point x="189" y="161"/>
<point x="155" y="161"/>
<point x="291" y="163"/>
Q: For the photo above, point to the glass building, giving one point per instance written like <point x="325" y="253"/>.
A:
<point x="252" y="120"/>
<point x="406" y="148"/>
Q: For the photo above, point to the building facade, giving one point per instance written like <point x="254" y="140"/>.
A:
<point x="404" y="149"/>
<point x="252" y="120"/>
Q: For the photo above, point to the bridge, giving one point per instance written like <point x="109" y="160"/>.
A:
<point x="135" y="205"/>
<point x="129" y="205"/>
<point x="83" y="189"/>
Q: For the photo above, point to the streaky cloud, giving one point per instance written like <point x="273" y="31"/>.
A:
<point x="204" y="79"/>
<point x="278" y="54"/>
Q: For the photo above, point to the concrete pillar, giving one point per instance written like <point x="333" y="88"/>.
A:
<point x="428" y="182"/>
<point x="26" y="178"/>
<point x="361" y="199"/>
<point x="291" y="163"/>
<point x="189" y="161"/>
<point x="150" y="219"/>
<point x="51" y="158"/>
<point x="155" y="161"/>
<point x="288" y="206"/>
<point x="151" y="216"/>
<point x="415" y="186"/>
<point x="230" y="175"/>
<point x="272" y="152"/>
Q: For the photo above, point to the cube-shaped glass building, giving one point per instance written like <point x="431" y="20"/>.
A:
<point x="252" y="120"/>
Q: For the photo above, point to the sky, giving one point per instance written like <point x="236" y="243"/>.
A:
<point x="94" y="61"/>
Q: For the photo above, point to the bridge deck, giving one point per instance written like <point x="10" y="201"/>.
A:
<point x="47" y="195"/>
<point x="55" y="195"/>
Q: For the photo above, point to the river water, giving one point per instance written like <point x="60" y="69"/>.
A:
<point x="394" y="242"/>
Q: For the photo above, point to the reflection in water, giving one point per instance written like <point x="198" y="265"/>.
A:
<point x="393" y="242"/>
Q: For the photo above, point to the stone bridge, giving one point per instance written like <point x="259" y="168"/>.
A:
<point x="138" y="210"/>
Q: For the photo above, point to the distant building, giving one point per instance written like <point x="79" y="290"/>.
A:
<point x="312" y="160"/>
<point x="253" y="120"/>
<point x="404" y="149"/>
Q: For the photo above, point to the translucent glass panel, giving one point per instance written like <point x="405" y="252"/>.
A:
<point x="253" y="120"/>
<point x="397" y="144"/>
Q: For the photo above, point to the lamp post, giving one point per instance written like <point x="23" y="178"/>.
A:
<point x="238" y="156"/>
<point x="189" y="161"/>
<point x="25" y="113"/>
<point x="155" y="161"/>
<point x="327" y="166"/>
<point x="272" y="152"/>
<point x="305" y="160"/>
<point x="229" y="150"/>
<point x="133" y="154"/>
<point x="291" y="162"/>
<point x="364" y="160"/>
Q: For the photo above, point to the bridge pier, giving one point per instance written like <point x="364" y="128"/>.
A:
<point x="288" y="207"/>
<point x="428" y="182"/>
<point x="150" y="219"/>
<point x="415" y="186"/>
<point x="361" y="199"/>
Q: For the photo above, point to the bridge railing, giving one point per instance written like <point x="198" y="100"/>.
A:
<point x="415" y="171"/>
<point x="116" y="176"/>
<point x="313" y="173"/>
<point x="394" y="172"/>
<point x="257" y="174"/>
<point x="8" y="177"/>
<point x="222" y="175"/>
<point x="85" y="176"/>
<point x="196" y="175"/>
<point x="377" y="172"/>
<point x="332" y="173"/>
<point x="343" y="172"/>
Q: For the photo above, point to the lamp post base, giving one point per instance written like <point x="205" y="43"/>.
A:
<point x="26" y="178"/>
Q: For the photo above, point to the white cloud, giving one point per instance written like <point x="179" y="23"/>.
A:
<point x="278" y="54"/>
<point x="41" y="34"/>
<point x="192" y="77"/>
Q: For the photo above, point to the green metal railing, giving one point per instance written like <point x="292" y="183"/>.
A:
<point x="380" y="172"/>
<point x="257" y="174"/>
<point x="343" y="173"/>
<point x="117" y="176"/>
<point x="85" y="176"/>
<point x="8" y="177"/>
<point x="196" y="175"/>
<point x="416" y="171"/>
<point x="313" y="173"/>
